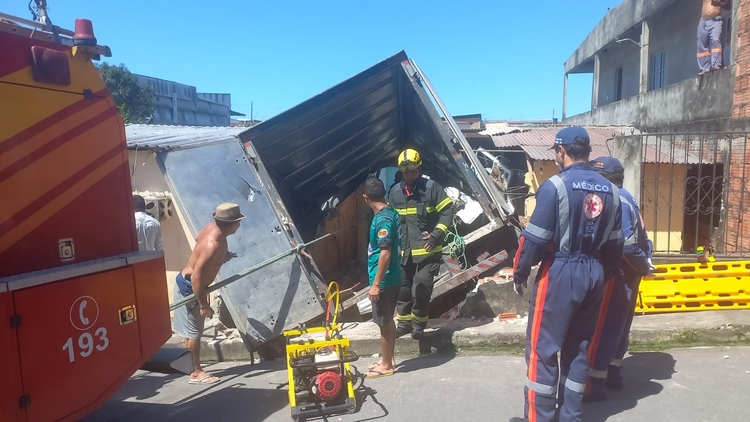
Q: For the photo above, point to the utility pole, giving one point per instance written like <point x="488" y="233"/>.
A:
<point x="251" y="113"/>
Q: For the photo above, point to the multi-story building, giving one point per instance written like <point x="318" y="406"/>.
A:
<point x="643" y="58"/>
<point x="180" y="104"/>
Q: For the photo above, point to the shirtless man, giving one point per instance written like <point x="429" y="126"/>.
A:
<point x="709" y="36"/>
<point x="211" y="251"/>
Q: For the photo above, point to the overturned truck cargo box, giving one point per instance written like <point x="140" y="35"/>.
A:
<point x="327" y="146"/>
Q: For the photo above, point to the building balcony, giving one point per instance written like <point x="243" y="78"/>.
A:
<point x="699" y="98"/>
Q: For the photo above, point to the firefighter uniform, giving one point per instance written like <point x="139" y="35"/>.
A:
<point x="426" y="209"/>
<point x="575" y="231"/>
<point x="610" y="341"/>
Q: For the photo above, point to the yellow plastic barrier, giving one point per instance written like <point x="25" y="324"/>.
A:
<point x="695" y="287"/>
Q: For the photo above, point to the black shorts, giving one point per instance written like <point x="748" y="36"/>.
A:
<point x="384" y="309"/>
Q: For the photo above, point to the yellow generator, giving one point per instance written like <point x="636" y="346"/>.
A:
<point x="320" y="377"/>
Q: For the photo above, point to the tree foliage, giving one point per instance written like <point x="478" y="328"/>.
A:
<point x="134" y="102"/>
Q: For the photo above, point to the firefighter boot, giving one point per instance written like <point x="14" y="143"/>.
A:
<point x="402" y="330"/>
<point x="614" y="378"/>
<point x="519" y="420"/>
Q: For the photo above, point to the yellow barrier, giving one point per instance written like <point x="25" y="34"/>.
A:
<point x="695" y="287"/>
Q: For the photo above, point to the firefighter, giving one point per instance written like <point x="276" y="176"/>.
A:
<point x="610" y="341"/>
<point x="426" y="212"/>
<point x="575" y="231"/>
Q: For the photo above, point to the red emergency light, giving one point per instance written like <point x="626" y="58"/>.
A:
<point x="84" y="33"/>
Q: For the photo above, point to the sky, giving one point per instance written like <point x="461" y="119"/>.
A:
<point x="500" y="58"/>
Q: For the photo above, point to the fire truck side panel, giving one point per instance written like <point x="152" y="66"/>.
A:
<point x="11" y="390"/>
<point x="82" y="340"/>
<point x="152" y="305"/>
<point x="63" y="160"/>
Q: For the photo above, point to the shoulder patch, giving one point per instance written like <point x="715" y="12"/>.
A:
<point x="383" y="233"/>
<point x="593" y="206"/>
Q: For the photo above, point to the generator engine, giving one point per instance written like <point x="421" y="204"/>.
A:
<point x="319" y="371"/>
<point x="315" y="382"/>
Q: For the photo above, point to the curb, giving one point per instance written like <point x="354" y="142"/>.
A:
<point x="648" y="332"/>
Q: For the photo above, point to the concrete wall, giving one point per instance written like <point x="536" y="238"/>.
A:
<point x="698" y="98"/>
<point x="625" y="56"/>
<point x="146" y="176"/>
<point x="616" y="22"/>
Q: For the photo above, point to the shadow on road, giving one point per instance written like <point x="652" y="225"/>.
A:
<point x="424" y="362"/>
<point x="639" y="372"/>
<point x="228" y="400"/>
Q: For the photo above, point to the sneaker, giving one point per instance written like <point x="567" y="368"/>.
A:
<point x="417" y="334"/>
<point x="402" y="331"/>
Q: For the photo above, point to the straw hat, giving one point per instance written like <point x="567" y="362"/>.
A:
<point x="228" y="212"/>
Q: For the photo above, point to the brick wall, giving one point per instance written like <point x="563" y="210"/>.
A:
<point x="741" y="105"/>
<point x="737" y="206"/>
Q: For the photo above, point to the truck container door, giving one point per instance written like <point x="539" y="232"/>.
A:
<point x="277" y="297"/>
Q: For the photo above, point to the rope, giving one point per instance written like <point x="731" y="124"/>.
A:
<point x="231" y="279"/>
<point x="456" y="246"/>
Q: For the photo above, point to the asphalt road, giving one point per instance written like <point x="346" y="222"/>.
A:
<point x="698" y="384"/>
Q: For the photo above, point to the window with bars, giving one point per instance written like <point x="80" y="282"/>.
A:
<point x="658" y="64"/>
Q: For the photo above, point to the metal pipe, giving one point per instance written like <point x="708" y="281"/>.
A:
<point x="34" y="24"/>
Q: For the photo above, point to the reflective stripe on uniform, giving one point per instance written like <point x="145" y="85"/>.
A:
<point x="442" y="227"/>
<point x="423" y="252"/>
<point x="539" y="232"/>
<point x="547" y="390"/>
<point x="593" y="373"/>
<point x="406" y="211"/>
<point x="400" y="317"/>
<point x="562" y="235"/>
<point x="420" y="319"/>
<point x="444" y="204"/>
<point x="573" y="386"/>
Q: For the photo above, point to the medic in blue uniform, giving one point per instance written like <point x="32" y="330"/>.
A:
<point x="610" y="341"/>
<point x="575" y="232"/>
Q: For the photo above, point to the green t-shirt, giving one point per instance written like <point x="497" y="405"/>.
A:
<point x="384" y="231"/>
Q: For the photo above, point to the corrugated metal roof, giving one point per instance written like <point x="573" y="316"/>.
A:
<point x="545" y="136"/>
<point x="536" y="143"/>
<point x="172" y="137"/>
<point x="543" y="153"/>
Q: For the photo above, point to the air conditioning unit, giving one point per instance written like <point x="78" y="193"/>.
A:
<point x="158" y="204"/>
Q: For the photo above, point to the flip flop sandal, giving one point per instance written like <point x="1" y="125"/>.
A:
<point x="205" y="380"/>
<point x="375" y="365"/>
<point x="378" y="374"/>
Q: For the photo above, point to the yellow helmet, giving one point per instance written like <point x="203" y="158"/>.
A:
<point x="409" y="159"/>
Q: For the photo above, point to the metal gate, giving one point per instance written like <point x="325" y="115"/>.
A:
<point x="694" y="191"/>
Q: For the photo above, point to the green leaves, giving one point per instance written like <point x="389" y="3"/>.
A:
<point x="134" y="102"/>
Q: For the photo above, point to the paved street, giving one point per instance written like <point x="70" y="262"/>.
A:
<point x="698" y="384"/>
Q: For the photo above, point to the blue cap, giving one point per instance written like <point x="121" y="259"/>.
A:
<point x="609" y="165"/>
<point x="569" y="135"/>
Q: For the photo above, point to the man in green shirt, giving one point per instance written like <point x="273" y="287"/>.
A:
<point x="384" y="269"/>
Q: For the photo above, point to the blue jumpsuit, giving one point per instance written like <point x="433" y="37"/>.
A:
<point x="575" y="231"/>
<point x="610" y="341"/>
